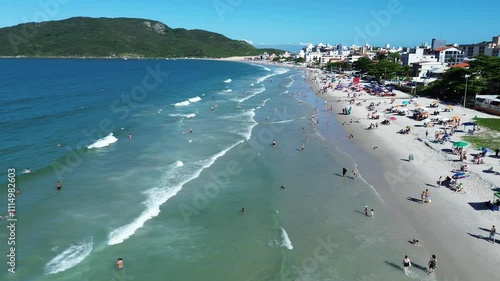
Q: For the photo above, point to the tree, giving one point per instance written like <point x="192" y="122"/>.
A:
<point x="452" y="84"/>
<point x="394" y="57"/>
<point x="362" y="64"/>
<point x="385" y="69"/>
<point x="486" y="67"/>
<point x="299" y="60"/>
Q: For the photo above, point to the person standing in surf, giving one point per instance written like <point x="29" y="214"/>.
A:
<point x="406" y="264"/>
<point x="119" y="263"/>
<point x="432" y="264"/>
<point x="58" y="185"/>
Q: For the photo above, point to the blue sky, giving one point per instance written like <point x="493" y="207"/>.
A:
<point x="291" y="22"/>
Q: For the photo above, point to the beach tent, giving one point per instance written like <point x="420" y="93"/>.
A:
<point x="469" y="124"/>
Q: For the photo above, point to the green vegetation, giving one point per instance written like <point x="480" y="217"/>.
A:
<point x="117" y="37"/>
<point x="484" y="78"/>
<point x="490" y="138"/>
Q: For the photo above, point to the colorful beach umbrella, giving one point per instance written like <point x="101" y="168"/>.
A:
<point x="460" y="175"/>
<point x="392" y="118"/>
<point x="460" y="144"/>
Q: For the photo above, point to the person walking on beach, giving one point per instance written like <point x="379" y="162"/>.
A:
<point x="406" y="264"/>
<point x="422" y="197"/>
<point x="426" y="133"/>
<point x="371" y="213"/>
<point x="440" y="181"/>
<point x="493" y="231"/>
<point x="344" y="171"/>
<point x="366" y="210"/>
<point x="58" y="185"/>
<point x="432" y="264"/>
<point x="129" y="136"/>
<point x="355" y="173"/>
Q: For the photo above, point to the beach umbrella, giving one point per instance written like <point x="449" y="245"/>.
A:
<point x="460" y="144"/>
<point x="460" y="175"/>
<point x="392" y="118"/>
<point x="406" y="102"/>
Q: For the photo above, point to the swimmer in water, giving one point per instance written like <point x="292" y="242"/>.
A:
<point x="129" y="136"/>
<point x="58" y="185"/>
<point x="27" y="171"/>
<point x="190" y="130"/>
<point x="283" y="187"/>
<point x="242" y="210"/>
<point x="119" y="263"/>
<point x="302" y="147"/>
<point x="274" y="143"/>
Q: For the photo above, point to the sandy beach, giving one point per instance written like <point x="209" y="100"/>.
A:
<point x="451" y="226"/>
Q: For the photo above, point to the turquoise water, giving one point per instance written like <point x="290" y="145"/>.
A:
<point x="168" y="200"/>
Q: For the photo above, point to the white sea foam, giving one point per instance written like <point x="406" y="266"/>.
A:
<point x="107" y="140"/>
<point x="251" y="84"/>
<point x="276" y="71"/>
<point x="70" y="257"/>
<point x="182" y="103"/>
<point x="195" y="99"/>
<point x="227" y="90"/>
<point x="247" y="134"/>
<point x="260" y="65"/>
<point x="282" y="121"/>
<point x="172" y="183"/>
<point x="178" y="163"/>
<point x="188" y="115"/>
<point x="228" y="80"/>
<point x="255" y="92"/>
<point x="285" y="240"/>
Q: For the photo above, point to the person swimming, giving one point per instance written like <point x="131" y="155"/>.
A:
<point x="58" y="185"/>
<point x="242" y="210"/>
<point x="119" y="263"/>
<point x="27" y="171"/>
<point x="282" y="187"/>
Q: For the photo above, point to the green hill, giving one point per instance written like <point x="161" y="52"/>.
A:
<point x="108" y="37"/>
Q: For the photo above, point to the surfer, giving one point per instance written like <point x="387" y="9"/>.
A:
<point x="119" y="263"/>
<point x="59" y="185"/>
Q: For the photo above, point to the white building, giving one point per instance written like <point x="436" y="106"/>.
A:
<point x="486" y="48"/>
<point x="428" y="71"/>
<point x="449" y="55"/>
<point x="417" y="55"/>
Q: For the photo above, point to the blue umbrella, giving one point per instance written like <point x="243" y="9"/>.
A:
<point x="406" y="102"/>
<point x="460" y="175"/>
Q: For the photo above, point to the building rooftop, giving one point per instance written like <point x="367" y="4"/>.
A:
<point x="443" y="48"/>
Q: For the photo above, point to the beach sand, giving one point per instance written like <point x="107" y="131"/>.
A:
<point x="450" y="227"/>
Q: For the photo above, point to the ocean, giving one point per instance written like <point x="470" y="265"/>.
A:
<point x="157" y="158"/>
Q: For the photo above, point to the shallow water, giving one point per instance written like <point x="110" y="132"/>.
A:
<point x="168" y="201"/>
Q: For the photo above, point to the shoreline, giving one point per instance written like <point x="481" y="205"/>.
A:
<point x="447" y="225"/>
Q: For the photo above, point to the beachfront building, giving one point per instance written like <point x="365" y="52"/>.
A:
<point x="417" y="54"/>
<point x="428" y="71"/>
<point x="484" y="48"/>
<point x="449" y="55"/>
<point x="324" y="54"/>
